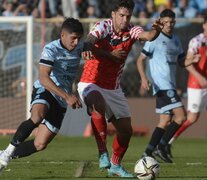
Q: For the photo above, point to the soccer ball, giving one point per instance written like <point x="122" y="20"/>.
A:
<point x="147" y="168"/>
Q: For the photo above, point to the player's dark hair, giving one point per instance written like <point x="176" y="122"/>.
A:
<point x="129" y="4"/>
<point x="167" y="13"/>
<point x="72" y="25"/>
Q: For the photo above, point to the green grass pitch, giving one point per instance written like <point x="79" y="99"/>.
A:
<point x="76" y="158"/>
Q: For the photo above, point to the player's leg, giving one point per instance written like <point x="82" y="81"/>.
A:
<point x="170" y="131"/>
<point x="42" y="139"/>
<point x="96" y="104"/>
<point x="120" y="145"/>
<point x="179" y="118"/>
<point x="46" y="131"/>
<point x="52" y="116"/>
<point x="196" y="104"/>
<point x="122" y="138"/>
<point x="166" y="102"/>
<point x="23" y="131"/>
<point x="191" y="119"/>
<point x="91" y="94"/>
<point x="38" y="112"/>
<point x="157" y="134"/>
<point x="162" y="101"/>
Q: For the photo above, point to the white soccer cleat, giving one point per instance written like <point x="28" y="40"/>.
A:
<point x="4" y="160"/>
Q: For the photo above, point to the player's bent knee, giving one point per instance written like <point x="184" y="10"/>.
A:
<point x="180" y="120"/>
<point x="127" y="134"/>
<point x="40" y="146"/>
<point x="163" y="124"/>
<point x="37" y="120"/>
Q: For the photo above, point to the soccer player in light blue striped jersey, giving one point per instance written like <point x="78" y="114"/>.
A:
<point x="52" y="93"/>
<point x="164" y="53"/>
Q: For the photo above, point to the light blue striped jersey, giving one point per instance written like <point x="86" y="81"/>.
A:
<point x="163" y="53"/>
<point x="64" y="65"/>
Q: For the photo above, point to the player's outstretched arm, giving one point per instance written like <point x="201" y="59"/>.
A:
<point x="157" y="27"/>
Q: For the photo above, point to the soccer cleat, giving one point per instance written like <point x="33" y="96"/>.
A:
<point x="162" y="155"/>
<point x="118" y="170"/>
<point x="145" y="155"/>
<point x="4" y="160"/>
<point x="104" y="162"/>
<point x="168" y="150"/>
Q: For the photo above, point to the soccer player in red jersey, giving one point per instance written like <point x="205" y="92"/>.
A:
<point x="99" y="86"/>
<point x="197" y="81"/>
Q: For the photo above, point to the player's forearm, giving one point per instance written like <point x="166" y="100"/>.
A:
<point x="52" y="87"/>
<point x="141" y="68"/>
<point x="191" y="69"/>
<point x="101" y="53"/>
<point x="90" y="46"/>
<point x="149" y="35"/>
<point x="187" y="62"/>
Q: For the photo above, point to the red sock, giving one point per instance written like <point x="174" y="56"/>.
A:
<point x="119" y="150"/>
<point x="184" y="126"/>
<point x="99" y="126"/>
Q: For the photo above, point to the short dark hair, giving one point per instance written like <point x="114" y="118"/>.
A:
<point x="72" y="25"/>
<point x="129" y="4"/>
<point x="167" y="13"/>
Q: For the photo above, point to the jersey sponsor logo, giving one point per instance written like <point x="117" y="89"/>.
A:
<point x="62" y="57"/>
<point x="125" y="38"/>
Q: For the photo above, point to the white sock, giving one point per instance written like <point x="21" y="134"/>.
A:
<point x="10" y="149"/>
<point x="172" y="139"/>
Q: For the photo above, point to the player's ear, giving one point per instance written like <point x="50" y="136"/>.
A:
<point x="112" y="14"/>
<point x="62" y="34"/>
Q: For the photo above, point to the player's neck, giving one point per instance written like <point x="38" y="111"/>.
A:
<point x="118" y="31"/>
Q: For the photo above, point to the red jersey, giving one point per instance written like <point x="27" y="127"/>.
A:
<point x="102" y="71"/>
<point x="198" y="45"/>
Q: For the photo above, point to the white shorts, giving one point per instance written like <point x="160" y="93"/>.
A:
<point x="116" y="102"/>
<point x="197" y="100"/>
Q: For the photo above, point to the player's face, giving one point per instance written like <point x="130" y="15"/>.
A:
<point x="121" y="19"/>
<point x="70" y="40"/>
<point x="169" y="24"/>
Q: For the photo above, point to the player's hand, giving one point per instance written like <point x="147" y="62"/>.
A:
<point x="73" y="101"/>
<point x="145" y="84"/>
<point x="87" y="55"/>
<point x="196" y="58"/>
<point x="158" y="25"/>
<point x="119" y="55"/>
<point x="203" y="82"/>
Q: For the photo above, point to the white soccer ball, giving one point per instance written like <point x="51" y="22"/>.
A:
<point x="147" y="168"/>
